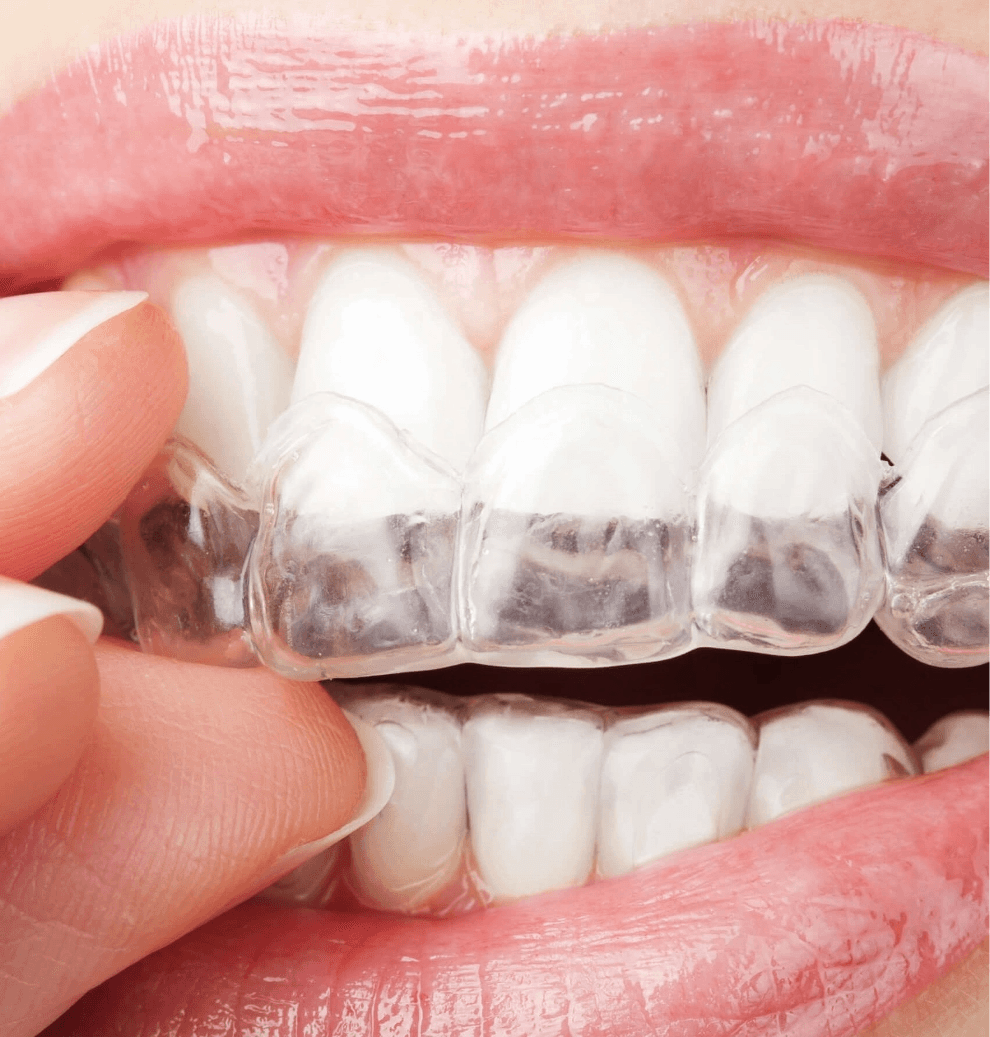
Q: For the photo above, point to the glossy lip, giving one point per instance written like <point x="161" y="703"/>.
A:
<point x="860" y="138"/>
<point x="201" y="131"/>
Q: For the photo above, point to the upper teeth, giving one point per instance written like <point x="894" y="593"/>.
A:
<point x="578" y="507"/>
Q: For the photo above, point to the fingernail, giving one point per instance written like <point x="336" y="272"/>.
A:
<point x="377" y="792"/>
<point x="22" y="604"/>
<point x="35" y="330"/>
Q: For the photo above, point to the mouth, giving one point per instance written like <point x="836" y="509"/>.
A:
<point x="620" y="849"/>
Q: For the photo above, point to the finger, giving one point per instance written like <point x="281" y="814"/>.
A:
<point x="194" y="786"/>
<point x="91" y="384"/>
<point x="49" y="689"/>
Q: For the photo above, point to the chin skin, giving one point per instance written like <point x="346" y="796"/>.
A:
<point x="39" y="37"/>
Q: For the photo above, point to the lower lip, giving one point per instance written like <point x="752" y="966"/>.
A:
<point x="817" y="924"/>
<point x="864" y="139"/>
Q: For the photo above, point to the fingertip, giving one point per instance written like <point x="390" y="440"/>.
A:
<point x="49" y="693"/>
<point x="79" y="435"/>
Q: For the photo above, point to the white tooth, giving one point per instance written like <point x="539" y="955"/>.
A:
<point x="954" y="739"/>
<point x="944" y="474"/>
<point x="239" y="377"/>
<point x="376" y="332"/>
<point x="603" y="318"/>
<point x="412" y="849"/>
<point x="815" y="751"/>
<point x="947" y="360"/>
<point x="532" y="774"/>
<point x="815" y="330"/>
<point x="672" y="778"/>
<point x="575" y="534"/>
<point x="350" y="572"/>
<point x="935" y="520"/>
<point x="787" y="554"/>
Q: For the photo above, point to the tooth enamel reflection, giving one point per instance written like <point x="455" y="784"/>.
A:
<point x="605" y="319"/>
<point x="947" y="360"/>
<point x="787" y="554"/>
<point x="239" y="377"/>
<point x="376" y="332"/>
<point x="413" y="847"/>
<point x="185" y="533"/>
<point x="575" y="535"/>
<point x="935" y="524"/>
<point x="954" y="739"/>
<point x="532" y="774"/>
<point x="816" y="331"/>
<point x="350" y="573"/>
<point x="673" y="777"/>
<point x="815" y="751"/>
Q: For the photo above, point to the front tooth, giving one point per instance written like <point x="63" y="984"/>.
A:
<point x="575" y="535"/>
<point x="935" y="524"/>
<point x="605" y="319"/>
<point x="954" y="739"/>
<point x="375" y="332"/>
<point x="574" y="546"/>
<point x="672" y="778"/>
<point x="947" y="360"/>
<point x="788" y="554"/>
<point x="412" y="849"/>
<point x="351" y="571"/>
<point x="532" y="774"/>
<point x="816" y="331"/>
<point x="239" y="378"/>
<point x="815" y="751"/>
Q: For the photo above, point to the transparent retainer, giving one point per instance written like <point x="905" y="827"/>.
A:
<point x="935" y="527"/>
<point x="351" y="577"/>
<point x="185" y="532"/>
<point x="788" y="557"/>
<point x="575" y="538"/>
<point x="350" y="573"/>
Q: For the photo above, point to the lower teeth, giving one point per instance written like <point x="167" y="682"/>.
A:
<point x="506" y="796"/>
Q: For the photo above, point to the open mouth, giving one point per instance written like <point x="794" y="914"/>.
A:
<point x="581" y="402"/>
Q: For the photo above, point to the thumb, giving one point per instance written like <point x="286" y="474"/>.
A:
<point x="197" y="787"/>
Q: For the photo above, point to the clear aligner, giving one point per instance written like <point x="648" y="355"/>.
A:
<point x="935" y="525"/>
<point x="574" y="538"/>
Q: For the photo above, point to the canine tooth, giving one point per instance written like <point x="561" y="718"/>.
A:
<point x="350" y="573"/>
<point x="532" y="774"/>
<point x="605" y="319"/>
<point x="815" y="751"/>
<point x="816" y="331"/>
<point x="185" y="533"/>
<point x="239" y="377"/>
<point x="375" y="331"/>
<point x="672" y="778"/>
<point x="947" y="360"/>
<point x="787" y="556"/>
<point x="955" y="738"/>
<point x="413" y="847"/>
<point x="935" y="524"/>
<point x="575" y="534"/>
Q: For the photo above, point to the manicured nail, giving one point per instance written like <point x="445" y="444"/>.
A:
<point x="22" y="604"/>
<point x="35" y="330"/>
<point x="377" y="792"/>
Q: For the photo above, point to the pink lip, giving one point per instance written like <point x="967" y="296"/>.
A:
<point x="816" y="925"/>
<point x="865" y="139"/>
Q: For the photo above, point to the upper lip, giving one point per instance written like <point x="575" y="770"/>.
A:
<point x="859" y="138"/>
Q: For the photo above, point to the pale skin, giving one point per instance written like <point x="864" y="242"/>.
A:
<point x="90" y="719"/>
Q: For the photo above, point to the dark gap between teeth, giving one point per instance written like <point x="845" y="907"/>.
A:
<point x="870" y="669"/>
